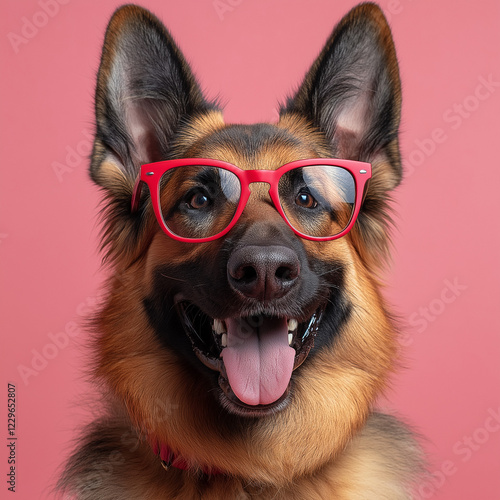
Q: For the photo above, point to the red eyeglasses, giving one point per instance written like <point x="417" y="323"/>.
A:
<point x="199" y="199"/>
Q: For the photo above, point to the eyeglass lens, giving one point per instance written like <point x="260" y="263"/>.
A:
<point x="200" y="201"/>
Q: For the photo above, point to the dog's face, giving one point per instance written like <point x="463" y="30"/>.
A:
<point x="246" y="307"/>
<point x="260" y="335"/>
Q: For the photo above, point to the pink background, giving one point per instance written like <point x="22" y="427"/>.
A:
<point x="445" y="279"/>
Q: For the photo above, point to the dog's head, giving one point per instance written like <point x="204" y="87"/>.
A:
<point x="263" y="330"/>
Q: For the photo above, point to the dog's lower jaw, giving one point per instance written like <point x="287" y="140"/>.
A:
<point x="216" y="354"/>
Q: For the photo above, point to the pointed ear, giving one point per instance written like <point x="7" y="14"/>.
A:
<point x="352" y="93"/>
<point x="145" y="89"/>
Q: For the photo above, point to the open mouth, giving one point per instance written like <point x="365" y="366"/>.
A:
<point x="254" y="355"/>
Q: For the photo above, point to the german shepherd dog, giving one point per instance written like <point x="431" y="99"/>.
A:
<point x="243" y="338"/>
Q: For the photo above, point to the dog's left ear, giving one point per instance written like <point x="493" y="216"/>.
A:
<point x="352" y="93"/>
<point x="145" y="92"/>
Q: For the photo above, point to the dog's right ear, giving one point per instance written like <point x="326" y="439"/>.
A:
<point x="145" y="89"/>
<point x="352" y="94"/>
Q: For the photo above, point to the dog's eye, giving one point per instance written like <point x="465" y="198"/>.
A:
<point x="306" y="200"/>
<point x="198" y="201"/>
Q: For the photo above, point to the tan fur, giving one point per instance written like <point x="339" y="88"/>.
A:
<point x="375" y="464"/>
<point x="327" y="443"/>
<point x="332" y="394"/>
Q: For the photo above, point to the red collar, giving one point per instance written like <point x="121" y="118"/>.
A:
<point x="169" y="459"/>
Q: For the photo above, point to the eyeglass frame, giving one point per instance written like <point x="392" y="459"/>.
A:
<point x="151" y="174"/>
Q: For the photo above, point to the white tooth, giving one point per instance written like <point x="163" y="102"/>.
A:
<point x="223" y="340"/>
<point x="290" y="339"/>
<point x="219" y="326"/>
<point x="292" y="325"/>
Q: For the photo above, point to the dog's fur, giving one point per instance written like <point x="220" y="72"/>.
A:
<point x="325" y="441"/>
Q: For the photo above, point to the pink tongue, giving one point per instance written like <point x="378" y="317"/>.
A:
<point x="258" y="360"/>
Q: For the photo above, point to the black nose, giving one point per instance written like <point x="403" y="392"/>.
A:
<point x="263" y="272"/>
